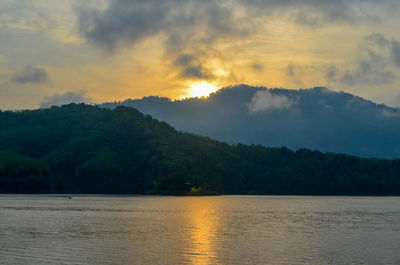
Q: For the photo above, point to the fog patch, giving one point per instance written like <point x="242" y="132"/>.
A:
<point x="264" y="100"/>
<point x="388" y="113"/>
<point x="64" y="98"/>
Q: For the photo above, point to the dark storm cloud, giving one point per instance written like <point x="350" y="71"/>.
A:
<point x="30" y="75"/>
<point x="184" y="22"/>
<point x="123" y="22"/>
<point x="128" y="22"/>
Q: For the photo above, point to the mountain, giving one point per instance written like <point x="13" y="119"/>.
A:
<point x="79" y="148"/>
<point x="316" y="118"/>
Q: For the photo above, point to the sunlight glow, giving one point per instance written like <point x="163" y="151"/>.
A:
<point x="201" y="89"/>
<point x="202" y="224"/>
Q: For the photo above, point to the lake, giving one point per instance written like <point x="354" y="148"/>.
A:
<point x="51" y="229"/>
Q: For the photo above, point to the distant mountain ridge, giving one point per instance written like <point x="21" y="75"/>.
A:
<point x="316" y="118"/>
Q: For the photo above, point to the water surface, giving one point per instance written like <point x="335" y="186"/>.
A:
<point x="199" y="230"/>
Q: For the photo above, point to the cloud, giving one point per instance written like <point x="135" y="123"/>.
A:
<point x="375" y="67"/>
<point x="375" y="40"/>
<point x="191" y="67"/>
<point x="31" y="75"/>
<point x="291" y="70"/>
<point x="65" y="98"/>
<point x="395" y="52"/>
<point x="194" y="34"/>
<point x="390" y="113"/>
<point x="125" y="23"/>
<point x="191" y="22"/>
<point x="366" y="76"/>
<point x="331" y="72"/>
<point x="368" y="72"/>
<point x="122" y="22"/>
<point x="318" y="13"/>
<point x="257" y="67"/>
<point x="190" y="31"/>
<point x="195" y="72"/>
<point x="306" y="20"/>
<point x="264" y="100"/>
<point x="380" y="48"/>
<point x="25" y="15"/>
<point x="184" y="59"/>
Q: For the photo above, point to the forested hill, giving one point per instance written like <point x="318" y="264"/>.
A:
<point x="87" y="149"/>
<point x="316" y="118"/>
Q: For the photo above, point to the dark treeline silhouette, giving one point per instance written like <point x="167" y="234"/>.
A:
<point x="85" y="149"/>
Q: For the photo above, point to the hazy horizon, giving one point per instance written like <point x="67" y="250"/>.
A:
<point x="77" y="98"/>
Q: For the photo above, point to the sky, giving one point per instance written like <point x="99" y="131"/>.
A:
<point x="53" y="51"/>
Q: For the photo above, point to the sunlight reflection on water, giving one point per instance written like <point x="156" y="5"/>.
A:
<point x="199" y="230"/>
<point x="202" y="222"/>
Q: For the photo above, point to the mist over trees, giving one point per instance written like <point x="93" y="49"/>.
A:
<point x="316" y="118"/>
<point x="85" y="149"/>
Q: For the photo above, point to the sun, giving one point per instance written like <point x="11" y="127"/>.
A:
<point x="201" y="89"/>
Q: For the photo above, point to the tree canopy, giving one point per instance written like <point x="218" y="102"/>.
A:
<point x="79" y="148"/>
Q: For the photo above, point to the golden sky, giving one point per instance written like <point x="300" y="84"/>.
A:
<point x="106" y="50"/>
